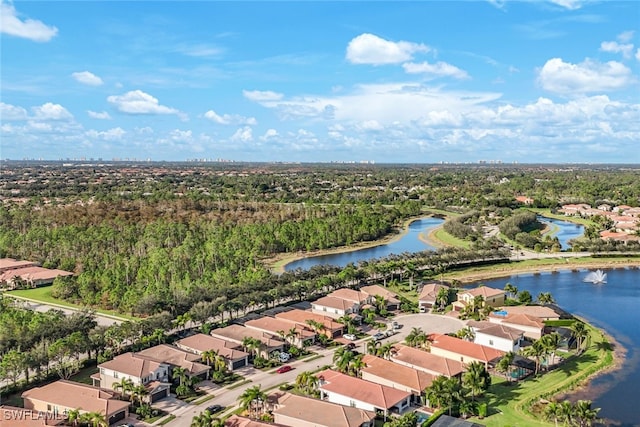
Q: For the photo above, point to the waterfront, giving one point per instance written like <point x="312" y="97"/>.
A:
<point x="612" y="307"/>
<point x="408" y="242"/>
<point x="565" y="231"/>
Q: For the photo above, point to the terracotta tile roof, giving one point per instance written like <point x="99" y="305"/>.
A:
<point x="84" y="397"/>
<point x="9" y="263"/>
<point x="33" y="273"/>
<point x="425" y="361"/>
<point x="430" y="291"/>
<point x="320" y="413"/>
<point x="538" y="311"/>
<point x="237" y="421"/>
<point x="19" y="417"/>
<point x="301" y="316"/>
<point x="349" y="295"/>
<point x="379" y="396"/>
<point x="201" y="343"/>
<point x="484" y="291"/>
<point x="273" y="325"/>
<point x="501" y="331"/>
<point x="374" y="290"/>
<point x="523" y="320"/>
<point x="132" y="364"/>
<point x="332" y="302"/>
<point x="176" y="357"/>
<point x="465" y="348"/>
<point x="237" y="333"/>
<point x="400" y="374"/>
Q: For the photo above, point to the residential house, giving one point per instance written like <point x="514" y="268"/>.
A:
<point x="346" y="390"/>
<point x="140" y="370"/>
<point x="426" y="362"/>
<point x="32" y="276"/>
<point x="532" y="327"/>
<point x="299" y="411"/>
<point x="230" y="351"/>
<point x="238" y="421"/>
<point x="539" y="311"/>
<point x="576" y="209"/>
<point x="304" y="335"/>
<point x="393" y="303"/>
<point x="331" y="328"/>
<point x="524" y="200"/>
<point x="429" y="295"/>
<point x="334" y="307"/>
<point x="12" y="264"/>
<point x="63" y="396"/>
<point x="466" y="352"/>
<point x="353" y="295"/>
<point x="498" y="336"/>
<point x="178" y="358"/>
<point x="401" y="377"/>
<point x="237" y="333"/>
<point x="11" y="416"/>
<point x="490" y="296"/>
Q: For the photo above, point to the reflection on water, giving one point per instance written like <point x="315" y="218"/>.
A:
<point x="409" y="242"/>
<point x="566" y="230"/>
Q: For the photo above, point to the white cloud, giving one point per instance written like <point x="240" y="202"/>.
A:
<point x="638" y="54"/>
<point x="178" y="135"/>
<point x="588" y="76"/>
<point x="615" y="47"/>
<point x="439" y="69"/>
<point x="270" y="133"/>
<point x="244" y="134"/>
<point x="103" y="115"/>
<point x="50" y="111"/>
<point x="114" y="134"/>
<point x="230" y="119"/>
<point x="569" y="4"/>
<point x="369" y="125"/>
<point x="371" y="49"/>
<point x="199" y="50"/>
<point x="30" y="29"/>
<point x="625" y="36"/>
<point x="87" y="78"/>
<point x="139" y="102"/>
<point x="11" y="112"/>
<point x="260" y="96"/>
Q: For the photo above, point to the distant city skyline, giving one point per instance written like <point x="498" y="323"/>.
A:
<point x="309" y="81"/>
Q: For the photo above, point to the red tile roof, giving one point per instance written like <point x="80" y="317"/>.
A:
<point x="464" y="348"/>
<point x="423" y="360"/>
<point x="399" y="374"/>
<point x="319" y="412"/>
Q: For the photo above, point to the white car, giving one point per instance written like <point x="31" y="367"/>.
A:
<point x="284" y="357"/>
<point x="350" y="337"/>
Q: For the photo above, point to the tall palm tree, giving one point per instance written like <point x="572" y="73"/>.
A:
<point x="551" y="342"/>
<point x="565" y="412"/>
<point x="579" y="332"/>
<point x="253" y="395"/>
<point x="342" y="358"/>
<point x="384" y="350"/>
<point x="476" y="379"/>
<point x="205" y="419"/>
<point x="467" y="333"/>
<point x="372" y="346"/>
<point x="442" y="298"/>
<point x="307" y="382"/>
<point x="356" y="365"/>
<point x="537" y="351"/>
<point x="94" y="419"/>
<point x="584" y="413"/>
<point x="546" y="298"/>
<point x="125" y="385"/>
<point x="416" y="338"/>
<point x="73" y="417"/>
<point x="138" y="393"/>
<point x="511" y="289"/>
<point x="553" y="412"/>
<point x="504" y="365"/>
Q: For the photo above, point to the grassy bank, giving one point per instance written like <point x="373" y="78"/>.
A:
<point x="43" y="295"/>
<point x="510" y="404"/>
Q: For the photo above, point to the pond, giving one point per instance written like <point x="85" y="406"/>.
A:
<point x="565" y="230"/>
<point x="408" y="242"/>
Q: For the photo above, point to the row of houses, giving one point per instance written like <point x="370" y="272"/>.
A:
<point x="14" y="272"/>
<point x="626" y="219"/>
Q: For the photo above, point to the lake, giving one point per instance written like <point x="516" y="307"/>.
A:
<point x="408" y="242"/>
<point x="566" y="230"/>
<point x="612" y="306"/>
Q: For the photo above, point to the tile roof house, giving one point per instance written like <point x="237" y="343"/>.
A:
<point x="352" y="295"/>
<point x="491" y="297"/>
<point x="429" y="294"/>
<point x="10" y="264"/>
<point x="532" y="327"/>
<point x="274" y="326"/>
<point x="236" y="333"/>
<point x="498" y="336"/>
<point x="230" y="351"/>
<point x="31" y="275"/>
<point x="237" y="421"/>
<point x="19" y="417"/>
<point x="299" y="411"/>
<point x="350" y="391"/>
<point x="334" y="307"/>
<point x="539" y="311"/>
<point x="141" y="370"/>
<point x="402" y="377"/>
<point x="393" y="303"/>
<point x="425" y="361"/>
<point x="176" y="357"/>
<point x="62" y="396"/>
<point x="332" y="329"/>
<point x="466" y="352"/>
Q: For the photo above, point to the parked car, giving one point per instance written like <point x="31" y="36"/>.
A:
<point x="378" y="336"/>
<point x="283" y="369"/>
<point x="215" y="408"/>
<point x="350" y="346"/>
<point x="395" y="325"/>
<point x="350" y="337"/>
<point x="284" y="357"/>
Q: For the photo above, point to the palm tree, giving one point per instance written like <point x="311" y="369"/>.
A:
<point x="384" y="350"/>
<point x="251" y="345"/>
<point x="372" y="347"/>
<point x="356" y="366"/>
<point x="504" y="365"/>
<point x="467" y="334"/>
<point x="553" y="412"/>
<point x="253" y="395"/>
<point x="442" y="298"/>
<point x="565" y="412"/>
<point x="73" y="417"/>
<point x="579" y="332"/>
<point x="511" y="289"/>
<point x="125" y="385"/>
<point x="307" y="382"/>
<point x="584" y="413"/>
<point x="551" y="342"/>
<point x="205" y="419"/>
<point x="94" y="419"/>
<point x="545" y="298"/>
<point x="342" y="359"/>
<point x="416" y="338"/>
<point x="138" y="393"/>
<point x="537" y="351"/>
<point x="476" y="379"/>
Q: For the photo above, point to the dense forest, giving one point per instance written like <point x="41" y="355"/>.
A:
<point x="142" y="238"/>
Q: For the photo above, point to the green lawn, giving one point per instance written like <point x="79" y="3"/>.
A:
<point x="43" y="294"/>
<point x="84" y="376"/>
<point x="450" y="240"/>
<point x="510" y="404"/>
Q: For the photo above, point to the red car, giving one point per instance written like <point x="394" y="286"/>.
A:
<point x="283" y="369"/>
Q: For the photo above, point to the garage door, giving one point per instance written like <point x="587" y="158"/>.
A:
<point x="159" y="395"/>
<point x="239" y="363"/>
<point x="117" y="417"/>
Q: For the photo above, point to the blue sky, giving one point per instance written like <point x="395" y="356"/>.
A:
<point x="430" y="81"/>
